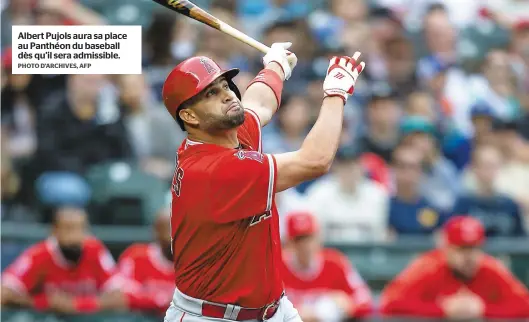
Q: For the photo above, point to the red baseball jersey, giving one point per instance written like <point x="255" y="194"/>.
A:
<point x="417" y="291"/>
<point x="148" y="277"/>
<point x="224" y="221"/>
<point x="42" y="268"/>
<point x="331" y="272"/>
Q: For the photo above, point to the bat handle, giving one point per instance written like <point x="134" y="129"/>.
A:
<point x="244" y="38"/>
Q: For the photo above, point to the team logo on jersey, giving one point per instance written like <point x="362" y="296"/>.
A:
<point x="210" y="69"/>
<point x="428" y="217"/>
<point x="252" y="155"/>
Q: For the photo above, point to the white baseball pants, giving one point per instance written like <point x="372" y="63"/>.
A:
<point x="187" y="309"/>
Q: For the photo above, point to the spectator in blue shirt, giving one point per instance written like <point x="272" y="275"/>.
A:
<point x="409" y="212"/>
<point x="500" y="215"/>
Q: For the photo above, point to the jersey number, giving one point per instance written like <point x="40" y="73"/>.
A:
<point x="177" y="182"/>
<point x="260" y="218"/>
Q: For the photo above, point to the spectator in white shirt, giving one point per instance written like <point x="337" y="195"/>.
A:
<point x="350" y="206"/>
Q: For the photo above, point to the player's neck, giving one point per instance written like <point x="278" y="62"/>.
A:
<point x="227" y="139"/>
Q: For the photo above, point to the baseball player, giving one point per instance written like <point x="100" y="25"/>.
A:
<point x="69" y="272"/>
<point x="224" y="222"/>
<point x="145" y="272"/>
<point x="321" y="283"/>
<point x="457" y="281"/>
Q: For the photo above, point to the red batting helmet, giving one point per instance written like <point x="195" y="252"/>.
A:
<point x="189" y="78"/>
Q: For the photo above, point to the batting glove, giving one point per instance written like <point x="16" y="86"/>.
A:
<point x="278" y="53"/>
<point x="342" y="75"/>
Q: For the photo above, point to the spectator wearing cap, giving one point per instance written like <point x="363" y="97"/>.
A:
<point x="321" y="283"/>
<point x="483" y="122"/>
<point x="409" y="212"/>
<point x="458" y="148"/>
<point x="349" y="205"/>
<point x="382" y="115"/>
<point x="457" y="280"/>
<point x="500" y="215"/>
<point x="421" y="103"/>
<point x="440" y="184"/>
<point x="401" y="65"/>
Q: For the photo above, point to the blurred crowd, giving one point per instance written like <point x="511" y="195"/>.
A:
<point x="438" y="125"/>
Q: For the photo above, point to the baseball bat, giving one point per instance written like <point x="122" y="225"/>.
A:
<point x="189" y="9"/>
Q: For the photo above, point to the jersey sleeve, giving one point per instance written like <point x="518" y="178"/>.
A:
<point x="513" y="297"/>
<point x="25" y="273"/>
<point x="242" y="186"/>
<point x="250" y="131"/>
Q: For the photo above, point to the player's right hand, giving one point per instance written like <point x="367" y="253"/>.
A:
<point x="279" y="54"/>
<point x="341" y="76"/>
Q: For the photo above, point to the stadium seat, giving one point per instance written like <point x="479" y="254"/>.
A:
<point x="123" y="194"/>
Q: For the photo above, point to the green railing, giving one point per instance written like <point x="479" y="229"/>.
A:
<point x="378" y="263"/>
<point x="29" y="316"/>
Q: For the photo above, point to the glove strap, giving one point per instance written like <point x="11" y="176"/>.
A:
<point x="336" y="93"/>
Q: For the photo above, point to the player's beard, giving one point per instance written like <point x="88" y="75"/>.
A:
<point x="71" y="253"/>
<point x="464" y="275"/>
<point x="224" y="122"/>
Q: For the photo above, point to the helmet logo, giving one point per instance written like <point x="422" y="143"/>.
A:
<point x="209" y="69"/>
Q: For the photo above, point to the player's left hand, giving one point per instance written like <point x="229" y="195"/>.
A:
<point x="342" y="300"/>
<point x="279" y="54"/>
<point x="61" y="302"/>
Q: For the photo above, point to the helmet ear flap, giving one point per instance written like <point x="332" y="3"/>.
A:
<point x="234" y="88"/>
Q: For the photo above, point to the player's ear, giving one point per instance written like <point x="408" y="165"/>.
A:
<point x="188" y="116"/>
